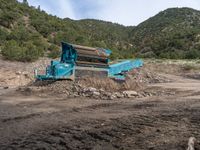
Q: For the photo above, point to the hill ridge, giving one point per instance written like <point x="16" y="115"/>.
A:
<point x="27" y="33"/>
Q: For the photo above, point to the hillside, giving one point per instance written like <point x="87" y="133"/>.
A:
<point x="173" y="33"/>
<point x="27" y="33"/>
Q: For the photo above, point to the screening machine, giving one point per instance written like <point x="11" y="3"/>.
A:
<point x="76" y="59"/>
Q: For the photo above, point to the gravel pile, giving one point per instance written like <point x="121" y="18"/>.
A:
<point x="145" y="76"/>
<point x="98" y="88"/>
<point x="79" y="88"/>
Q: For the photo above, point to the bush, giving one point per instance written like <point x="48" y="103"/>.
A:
<point x="3" y="35"/>
<point x="26" y="52"/>
<point x="192" y="54"/>
<point x="19" y="34"/>
<point x="30" y="53"/>
<point x="54" y="51"/>
<point x="12" y="50"/>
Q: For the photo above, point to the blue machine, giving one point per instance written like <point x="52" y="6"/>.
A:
<point x="76" y="55"/>
<point x="119" y="70"/>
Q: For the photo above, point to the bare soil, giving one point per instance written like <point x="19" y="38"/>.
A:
<point x="55" y="122"/>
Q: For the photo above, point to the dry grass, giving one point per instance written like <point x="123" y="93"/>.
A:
<point x="110" y="84"/>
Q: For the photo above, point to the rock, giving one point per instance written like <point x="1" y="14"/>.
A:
<point x="118" y="95"/>
<point x="75" y="89"/>
<point x="150" y="94"/>
<point x="91" y="89"/>
<point x="76" y="95"/>
<point x="107" y="94"/>
<point x="5" y="87"/>
<point x="96" y="93"/>
<point x="130" y="94"/>
<point x="18" y="73"/>
<point x="112" y="97"/>
<point x="101" y="91"/>
<point x="191" y="143"/>
<point x="25" y="73"/>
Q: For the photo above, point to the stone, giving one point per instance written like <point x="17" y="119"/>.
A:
<point x="112" y="97"/>
<point x="18" y="73"/>
<point x="91" y="89"/>
<point x="101" y="90"/>
<point x="130" y="94"/>
<point x="118" y="95"/>
<point x="96" y="93"/>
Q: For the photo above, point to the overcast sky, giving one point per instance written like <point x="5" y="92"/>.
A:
<point x="126" y="12"/>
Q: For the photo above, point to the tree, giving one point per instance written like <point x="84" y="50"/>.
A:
<point x="54" y="51"/>
<point x="25" y="52"/>
<point x="11" y="50"/>
<point x="192" y="54"/>
<point x="39" y="8"/>
<point x="25" y="2"/>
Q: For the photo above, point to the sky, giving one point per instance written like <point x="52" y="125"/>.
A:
<point x="125" y="12"/>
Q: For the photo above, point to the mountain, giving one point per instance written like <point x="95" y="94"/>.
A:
<point x="27" y="33"/>
<point x="173" y="33"/>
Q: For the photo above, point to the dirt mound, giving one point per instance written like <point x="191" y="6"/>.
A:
<point x="110" y="84"/>
<point x="144" y="75"/>
<point x="88" y="87"/>
<point x="97" y="88"/>
<point x="9" y="78"/>
<point x="14" y="74"/>
<point x="192" y="75"/>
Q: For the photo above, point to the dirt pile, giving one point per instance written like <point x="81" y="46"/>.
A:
<point x="146" y="76"/>
<point x="15" y="74"/>
<point x="98" y="88"/>
<point x="192" y="75"/>
<point x="12" y="79"/>
<point x="88" y="87"/>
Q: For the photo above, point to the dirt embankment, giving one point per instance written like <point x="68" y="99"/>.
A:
<point x="15" y="74"/>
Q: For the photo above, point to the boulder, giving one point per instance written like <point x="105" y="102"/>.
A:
<point x="95" y="93"/>
<point x="119" y="95"/>
<point x="130" y="94"/>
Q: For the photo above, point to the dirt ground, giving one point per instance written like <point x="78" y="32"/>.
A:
<point x="150" y="123"/>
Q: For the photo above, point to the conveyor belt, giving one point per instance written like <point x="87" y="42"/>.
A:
<point x="90" y="51"/>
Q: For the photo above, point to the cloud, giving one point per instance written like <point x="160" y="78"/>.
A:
<point x="126" y="12"/>
<point x="133" y="12"/>
<point x="60" y="8"/>
<point x="65" y="9"/>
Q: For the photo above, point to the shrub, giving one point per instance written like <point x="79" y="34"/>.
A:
<point x="19" y="34"/>
<point x="30" y="53"/>
<point x="192" y="54"/>
<point x="54" y="51"/>
<point x="25" y="52"/>
<point x="3" y="35"/>
<point x="11" y="50"/>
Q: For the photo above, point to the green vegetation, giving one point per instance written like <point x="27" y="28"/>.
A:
<point x="173" y="33"/>
<point x="54" y="51"/>
<point x="32" y="28"/>
<point x="27" y="33"/>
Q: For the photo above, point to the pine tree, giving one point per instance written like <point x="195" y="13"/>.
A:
<point x="39" y="8"/>
<point x="25" y="2"/>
